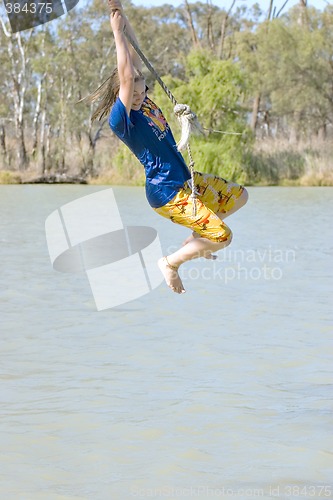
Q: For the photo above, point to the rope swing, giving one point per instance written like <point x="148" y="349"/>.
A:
<point x="187" y="119"/>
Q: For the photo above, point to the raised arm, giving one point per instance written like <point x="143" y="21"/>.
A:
<point x="124" y="61"/>
<point x="116" y="5"/>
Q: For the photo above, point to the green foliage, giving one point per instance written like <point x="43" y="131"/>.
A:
<point x="7" y="177"/>
<point x="285" y="62"/>
<point x="289" y="62"/>
<point x="219" y="157"/>
<point x="214" y="90"/>
<point x="271" y="168"/>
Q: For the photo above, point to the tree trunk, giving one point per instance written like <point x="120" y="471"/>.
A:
<point x="3" y="147"/>
<point x="48" y="165"/>
<point x="20" y="86"/>
<point x="303" y="14"/>
<point x="210" y="34"/>
<point x="63" y="129"/>
<point x="269" y="14"/>
<point x="294" y="133"/>
<point x="88" y="165"/>
<point x="257" y="99"/>
<point x="21" y="152"/>
<point x="42" y="167"/>
<point x="224" y="29"/>
<point x="255" y="111"/>
<point x="18" y="72"/>
<point x="195" y="40"/>
<point x="36" y="117"/>
<point x="267" y="124"/>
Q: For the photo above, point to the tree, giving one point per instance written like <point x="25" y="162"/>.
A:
<point x="18" y="47"/>
<point x="215" y="90"/>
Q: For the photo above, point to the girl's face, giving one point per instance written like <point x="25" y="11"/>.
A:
<point x="139" y="94"/>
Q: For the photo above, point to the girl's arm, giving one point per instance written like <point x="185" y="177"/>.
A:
<point x="116" y="5"/>
<point x="124" y="60"/>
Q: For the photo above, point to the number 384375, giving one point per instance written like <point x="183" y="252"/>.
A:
<point x="308" y="491"/>
<point x="29" y="8"/>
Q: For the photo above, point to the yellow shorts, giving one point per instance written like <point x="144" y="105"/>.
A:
<point x="214" y="195"/>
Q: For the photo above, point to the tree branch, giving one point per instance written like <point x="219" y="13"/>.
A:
<point x="6" y="32"/>
<point x="223" y="29"/>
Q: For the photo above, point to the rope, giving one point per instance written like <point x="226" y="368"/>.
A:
<point x="151" y="69"/>
<point x="188" y="121"/>
<point x="221" y="132"/>
<point x="186" y="117"/>
<point x="193" y="194"/>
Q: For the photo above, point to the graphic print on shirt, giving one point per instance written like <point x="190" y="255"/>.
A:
<point x="155" y="119"/>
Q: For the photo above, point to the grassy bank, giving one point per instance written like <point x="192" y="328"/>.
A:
<point x="270" y="163"/>
<point x="275" y="162"/>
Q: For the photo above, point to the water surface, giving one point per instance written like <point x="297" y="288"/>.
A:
<point x="223" y="392"/>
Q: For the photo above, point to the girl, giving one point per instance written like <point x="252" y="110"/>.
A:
<point x="140" y="124"/>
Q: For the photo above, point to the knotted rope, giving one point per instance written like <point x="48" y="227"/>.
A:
<point x="189" y="123"/>
<point x="186" y="117"/>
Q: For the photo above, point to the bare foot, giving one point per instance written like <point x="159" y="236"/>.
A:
<point x="193" y="236"/>
<point x="171" y="276"/>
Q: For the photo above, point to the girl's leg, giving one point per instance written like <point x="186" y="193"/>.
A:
<point x="210" y="232"/>
<point x="239" y="203"/>
<point x="198" y="247"/>
<point x="191" y="238"/>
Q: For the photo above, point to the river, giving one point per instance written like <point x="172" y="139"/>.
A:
<point x="222" y="392"/>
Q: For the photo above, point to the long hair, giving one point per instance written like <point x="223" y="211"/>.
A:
<point x="107" y="94"/>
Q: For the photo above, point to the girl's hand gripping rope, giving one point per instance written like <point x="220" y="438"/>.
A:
<point x="117" y="21"/>
<point x="115" y="5"/>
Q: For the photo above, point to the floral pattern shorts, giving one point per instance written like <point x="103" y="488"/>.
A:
<point x="214" y="195"/>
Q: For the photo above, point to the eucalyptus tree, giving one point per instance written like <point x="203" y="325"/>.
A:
<point x="295" y="70"/>
<point x="15" y="52"/>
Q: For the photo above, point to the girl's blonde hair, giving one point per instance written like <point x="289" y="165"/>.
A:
<point x="107" y="94"/>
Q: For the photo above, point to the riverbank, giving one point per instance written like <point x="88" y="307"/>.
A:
<point x="310" y="178"/>
<point x="271" y="162"/>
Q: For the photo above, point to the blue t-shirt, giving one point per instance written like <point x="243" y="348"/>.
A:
<point x="148" y="135"/>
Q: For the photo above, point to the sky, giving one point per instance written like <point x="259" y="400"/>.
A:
<point x="225" y="4"/>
